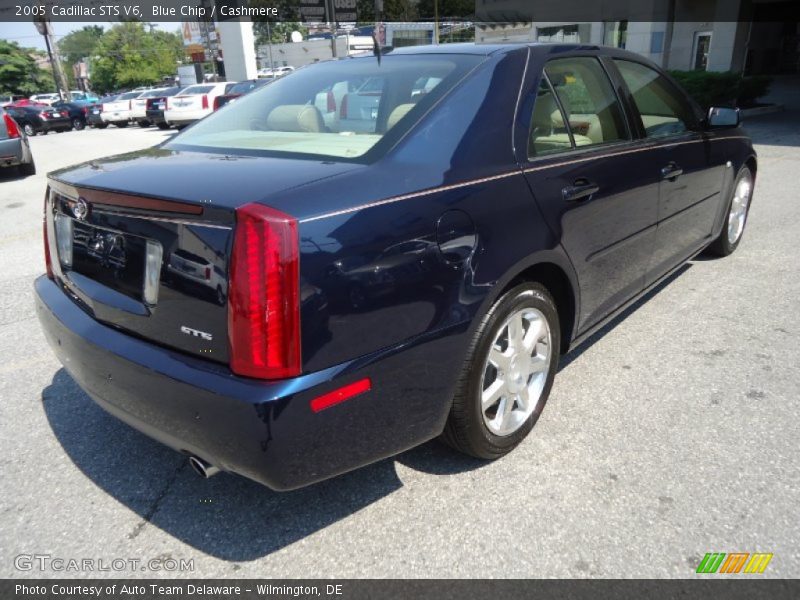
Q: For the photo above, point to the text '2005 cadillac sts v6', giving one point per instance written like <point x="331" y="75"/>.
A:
<point x="368" y="254"/>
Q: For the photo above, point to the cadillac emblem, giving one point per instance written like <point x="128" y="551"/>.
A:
<point x="80" y="210"/>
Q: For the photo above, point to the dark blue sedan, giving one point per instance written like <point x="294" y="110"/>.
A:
<point x="377" y="251"/>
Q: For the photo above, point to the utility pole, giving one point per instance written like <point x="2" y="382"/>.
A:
<point x="436" y="22"/>
<point x="332" y="25"/>
<point x="269" y="40"/>
<point x="44" y="28"/>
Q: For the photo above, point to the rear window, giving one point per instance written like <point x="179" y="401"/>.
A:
<point x="340" y="109"/>
<point x="129" y="96"/>
<point x="197" y="89"/>
<point x="152" y="94"/>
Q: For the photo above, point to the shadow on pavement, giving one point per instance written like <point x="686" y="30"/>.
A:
<point x="227" y="516"/>
<point x="775" y="129"/>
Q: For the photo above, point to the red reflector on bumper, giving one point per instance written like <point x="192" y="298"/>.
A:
<point x="340" y="395"/>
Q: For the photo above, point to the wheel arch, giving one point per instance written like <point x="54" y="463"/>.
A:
<point x="554" y="272"/>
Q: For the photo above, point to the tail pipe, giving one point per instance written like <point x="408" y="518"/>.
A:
<point x="202" y="468"/>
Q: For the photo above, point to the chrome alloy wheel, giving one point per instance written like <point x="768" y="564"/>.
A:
<point x="515" y="371"/>
<point x="739" y="205"/>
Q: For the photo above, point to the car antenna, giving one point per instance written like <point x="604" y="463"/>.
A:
<point x="376" y="49"/>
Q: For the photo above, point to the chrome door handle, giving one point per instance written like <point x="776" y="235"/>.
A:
<point x="671" y="172"/>
<point x="579" y="190"/>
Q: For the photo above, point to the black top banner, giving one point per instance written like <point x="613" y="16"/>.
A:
<point x="479" y="11"/>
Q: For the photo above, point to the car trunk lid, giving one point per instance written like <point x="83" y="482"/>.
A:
<point x="143" y="241"/>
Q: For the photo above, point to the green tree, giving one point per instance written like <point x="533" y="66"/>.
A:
<point x="79" y="44"/>
<point x="19" y="73"/>
<point x="133" y="54"/>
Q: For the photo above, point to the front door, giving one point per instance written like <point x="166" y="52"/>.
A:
<point x="690" y="173"/>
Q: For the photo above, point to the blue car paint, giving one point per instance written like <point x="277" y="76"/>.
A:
<point x="409" y="251"/>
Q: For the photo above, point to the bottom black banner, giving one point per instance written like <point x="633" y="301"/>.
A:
<point x="440" y="589"/>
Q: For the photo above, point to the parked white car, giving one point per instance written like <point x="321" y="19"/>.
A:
<point x="139" y="106"/>
<point x="118" y="112"/>
<point x="45" y="98"/>
<point x="193" y="103"/>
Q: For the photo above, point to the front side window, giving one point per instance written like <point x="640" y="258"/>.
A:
<point x="338" y="109"/>
<point x="662" y="109"/>
<point x="593" y="112"/>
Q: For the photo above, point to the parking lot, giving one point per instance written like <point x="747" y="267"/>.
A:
<point x="672" y="433"/>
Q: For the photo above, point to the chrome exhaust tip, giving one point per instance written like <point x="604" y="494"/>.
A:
<point x="202" y="468"/>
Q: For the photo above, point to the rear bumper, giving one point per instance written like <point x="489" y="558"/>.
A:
<point x="12" y="152"/>
<point x="155" y="116"/>
<point x="116" y="116"/>
<point x="265" y="431"/>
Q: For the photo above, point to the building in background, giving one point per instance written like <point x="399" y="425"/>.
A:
<point x="748" y="36"/>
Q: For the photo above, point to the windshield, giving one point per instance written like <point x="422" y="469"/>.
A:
<point x="338" y="109"/>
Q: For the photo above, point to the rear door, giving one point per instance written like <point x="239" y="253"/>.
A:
<point x="598" y="194"/>
<point x="689" y="170"/>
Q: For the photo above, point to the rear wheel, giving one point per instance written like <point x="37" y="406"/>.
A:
<point x="122" y="124"/>
<point x="506" y="379"/>
<point x="28" y="129"/>
<point x="78" y="124"/>
<point x="144" y="123"/>
<point x="163" y="125"/>
<point x="101" y="125"/>
<point x="738" y="208"/>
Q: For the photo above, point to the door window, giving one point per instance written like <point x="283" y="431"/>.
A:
<point x="593" y="112"/>
<point x="662" y="109"/>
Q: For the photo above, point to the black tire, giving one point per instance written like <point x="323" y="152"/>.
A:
<point x="27" y="169"/>
<point x="163" y="125"/>
<point x="101" y="125"/>
<point x="121" y="124"/>
<point x="722" y="246"/>
<point x="78" y="124"/>
<point x="28" y="129"/>
<point x="466" y="430"/>
<point x="143" y="124"/>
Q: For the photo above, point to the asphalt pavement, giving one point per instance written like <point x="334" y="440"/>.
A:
<point x="673" y="433"/>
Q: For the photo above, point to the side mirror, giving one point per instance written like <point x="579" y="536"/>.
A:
<point x="720" y="117"/>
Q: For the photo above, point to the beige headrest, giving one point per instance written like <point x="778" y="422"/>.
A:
<point x="400" y="111"/>
<point x="295" y="117"/>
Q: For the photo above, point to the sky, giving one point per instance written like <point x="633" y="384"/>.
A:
<point x="25" y="34"/>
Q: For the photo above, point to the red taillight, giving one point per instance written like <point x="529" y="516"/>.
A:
<point x="208" y="272"/>
<point x="341" y="394"/>
<point x="85" y="110"/>
<point x="264" y="294"/>
<point x="205" y="101"/>
<point x="343" y="110"/>
<point x="130" y="104"/>
<point x="331" y="102"/>
<point x="11" y="126"/>
<point x="216" y="102"/>
<point x="166" y="103"/>
<point x="48" y="265"/>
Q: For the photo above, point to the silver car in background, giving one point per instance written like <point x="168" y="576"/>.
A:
<point x="14" y="148"/>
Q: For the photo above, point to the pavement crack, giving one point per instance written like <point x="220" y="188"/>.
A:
<point x="156" y="504"/>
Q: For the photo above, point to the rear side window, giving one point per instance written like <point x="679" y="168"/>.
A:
<point x="590" y="105"/>
<point x="549" y="133"/>
<point x="662" y="109"/>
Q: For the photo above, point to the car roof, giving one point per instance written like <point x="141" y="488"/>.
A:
<point x="489" y="49"/>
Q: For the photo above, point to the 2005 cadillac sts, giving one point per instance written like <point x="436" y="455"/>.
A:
<point x="368" y="253"/>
